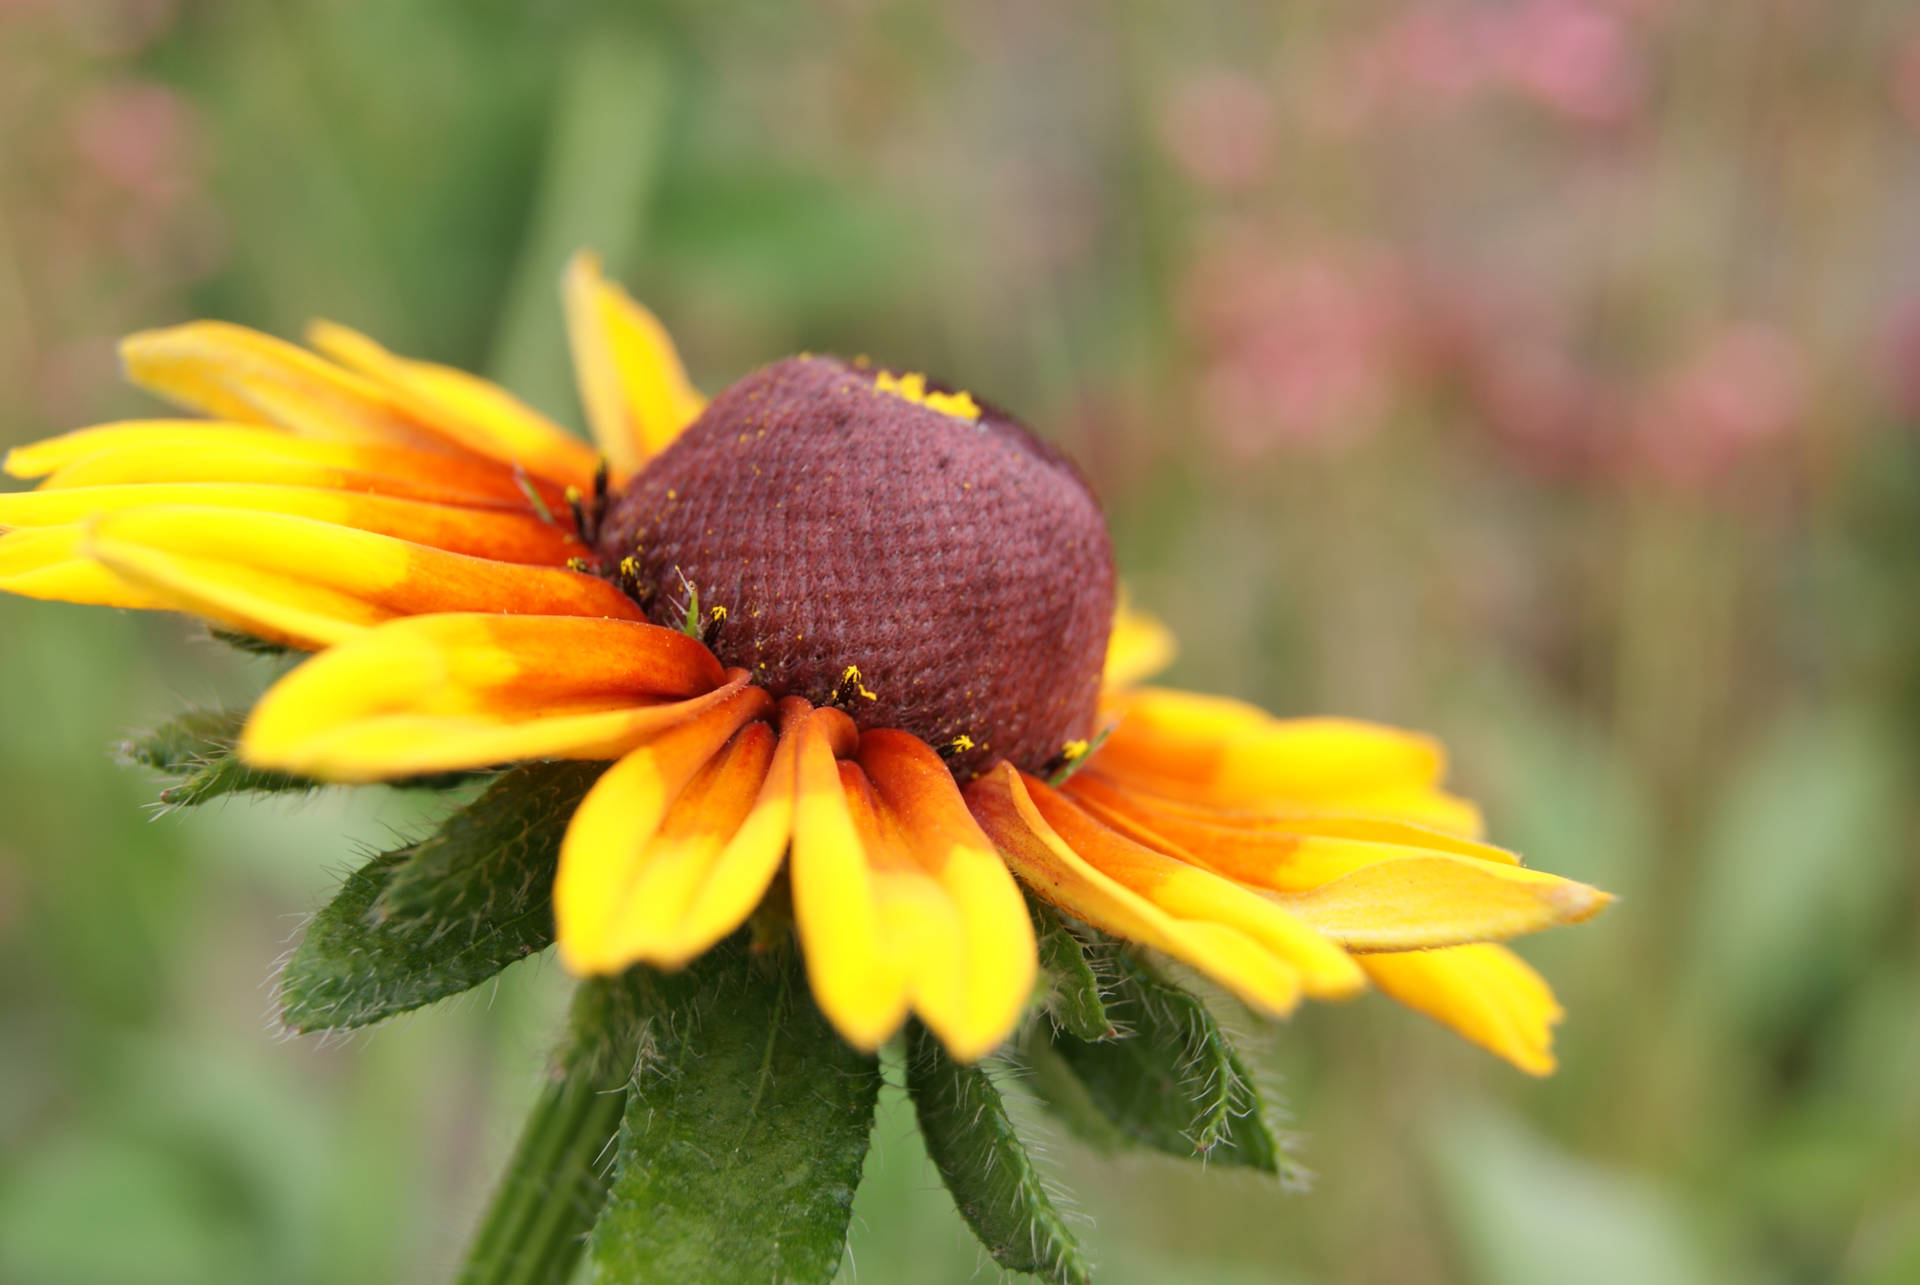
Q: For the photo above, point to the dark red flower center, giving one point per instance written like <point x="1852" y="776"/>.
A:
<point x="856" y="538"/>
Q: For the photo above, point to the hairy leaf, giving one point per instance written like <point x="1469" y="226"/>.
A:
<point x="1172" y="1081"/>
<point x="986" y="1167"/>
<point x="197" y="748"/>
<point x="439" y="916"/>
<point x="1073" y="990"/>
<point x="745" y="1131"/>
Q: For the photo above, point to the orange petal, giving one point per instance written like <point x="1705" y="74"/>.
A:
<point x="446" y="692"/>
<point x="1192" y="892"/>
<point x="507" y="535"/>
<point x="311" y="583"/>
<point x="717" y="893"/>
<point x="999" y="800"/>
<point x="993" y="958"/>
<point x="1295" y="855"/>
<point x="1486" y="993"/>
<point x="153" y="451"/>
<point x="603" y="857"/>
<point x="859" y="983"/>
<point x="478" y="414"/>
<point x="635" y="390"/>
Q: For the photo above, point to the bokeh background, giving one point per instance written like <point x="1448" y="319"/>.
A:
<point x="1542" y="372"/>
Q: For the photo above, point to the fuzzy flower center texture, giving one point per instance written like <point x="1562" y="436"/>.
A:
<point x="869" y="540"/>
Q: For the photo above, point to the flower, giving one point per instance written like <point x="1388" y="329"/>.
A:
<point x="841" y="623"/>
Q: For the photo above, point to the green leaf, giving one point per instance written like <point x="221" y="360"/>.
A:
<point x="198" y="749"/>
<point x="536" y="1228"/>
<point x="985" y="1165"/>
<point x="1072" y="997"/>
<point x="1172" y="1081"/>
<point x="439" y="916"/>
<point x="745" y="1130"/>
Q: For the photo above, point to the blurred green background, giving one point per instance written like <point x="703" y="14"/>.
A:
<point x="1542" y="372"/>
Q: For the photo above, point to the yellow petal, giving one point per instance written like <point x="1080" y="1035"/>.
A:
<point x="1138" y="648"/>
<point x="995" y="961"/>
<point x="635" y="390"/>
<point x="1425" y="902"/>
<point x="312" y="584"/>
<point x="602" y="854"/>
<point x="478" y="414"/>
<point x="1192" y="893"/>
<point x="859" y="984"/>
<point x="52" y="563"/>
<point x="233" y="373"/>
<point x="507" y="535"/>
<point x="447" y="692"/>
<point x="1486" y="993"/>
<point x="1230" y="754"/>
<point x="155" y="451"/>
<point x="1054" y="871"/>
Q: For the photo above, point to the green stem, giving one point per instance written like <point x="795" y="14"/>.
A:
<point x="536" y="1228"/>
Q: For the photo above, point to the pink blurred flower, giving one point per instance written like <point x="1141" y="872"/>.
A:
<point x="1903" y="358"/>
<point x="1578" y="59"/>
<point x="1741" y="390"/>
<point x="1905" y="83"/>
<point x="1574" y="57"/>
<point x="140" y="137"/>
<point x="1296" y="350"/>
<point x="1218" y="127"/>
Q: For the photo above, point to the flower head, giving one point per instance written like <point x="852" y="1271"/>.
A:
<point x="843" y="624"/>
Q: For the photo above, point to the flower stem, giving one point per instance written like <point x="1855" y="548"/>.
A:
<point x="536" y="1228"/>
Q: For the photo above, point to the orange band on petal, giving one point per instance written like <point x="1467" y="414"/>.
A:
<point x="602" y="858"/>
<point x="442" y="692"/>
<point x="190" y="451"/>
<point x="1192" y="892"/>
<point x="859" y="984"/>
<point x="312" y="584"/>
<point x="504" y="535"/>
<point x="995" y="959"/>
<point x="999" y="799"/>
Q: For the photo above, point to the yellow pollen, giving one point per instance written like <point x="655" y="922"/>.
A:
<point x="577" y="564"/>
<point x="1073" y="750"/>
<point x="630" y="566"/>
<point x="912" y="387"/>
<point x="852" y="675"/>
<point x="719" y="614"/>
<point x="961" y="743"/>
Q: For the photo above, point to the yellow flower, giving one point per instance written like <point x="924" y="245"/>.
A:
<point x="838" y="622"/>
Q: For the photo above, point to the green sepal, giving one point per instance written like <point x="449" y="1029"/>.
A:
<point x="745" y="1131"/>
<point x="437" y="917"/>
<point x="197" y="748"/>
<point x="244" y="642"/>
<point x="1172" y="1081"/>
<point x="986" y="1167"/>
<point x="1072" y="995"/>
<point x="535" y="1229"/>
